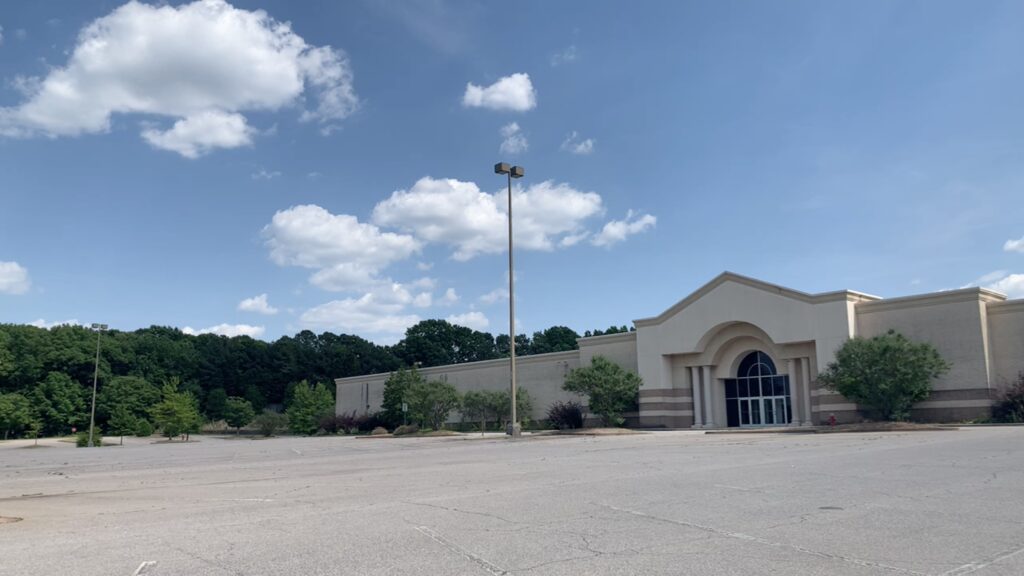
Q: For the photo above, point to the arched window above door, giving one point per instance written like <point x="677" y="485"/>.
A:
<point x="756" y="364"/>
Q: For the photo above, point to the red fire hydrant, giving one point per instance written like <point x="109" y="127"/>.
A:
<point x="832" y="420"/>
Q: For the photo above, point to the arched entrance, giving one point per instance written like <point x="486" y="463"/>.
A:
<point x="758" y="395"/>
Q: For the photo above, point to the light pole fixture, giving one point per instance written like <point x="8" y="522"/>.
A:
<point x="512" y="172"/>
<point x="99" y="328"/>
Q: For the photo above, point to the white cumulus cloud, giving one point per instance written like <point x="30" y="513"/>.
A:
<point x="450" y="297"/>
<point x="1014" y="245"/>
<point x="574" y="145"/>
<point x="513" y="92"/>
<point x="196" y="135"/>
<point x="257" y="304"/>
<point x="457" y="213"/>
<point x="200" y="65"/>
<point x="41" y="323"/>
<point x="617" y="231"/>
<point x="514" y="141"/>
<point x="1012" y="285"/>
<point x="347" y="254"/>
<point x="14" y="278"/>
<point x="227" y="330"/>
<point x="381" y="313"/>
<point x="474" y="320"/>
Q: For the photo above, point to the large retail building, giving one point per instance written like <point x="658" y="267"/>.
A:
<point x="742" y="352"/>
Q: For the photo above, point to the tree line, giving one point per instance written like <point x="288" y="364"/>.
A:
<point x="48" y="373"/>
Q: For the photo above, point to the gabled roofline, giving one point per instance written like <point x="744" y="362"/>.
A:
<point x="838" y="295"/>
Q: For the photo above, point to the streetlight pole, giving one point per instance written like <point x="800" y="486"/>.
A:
<point x="513" y="172"/>
<point x="99" y="328"/>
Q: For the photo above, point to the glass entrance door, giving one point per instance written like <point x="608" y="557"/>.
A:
<point x="758" y="396"/>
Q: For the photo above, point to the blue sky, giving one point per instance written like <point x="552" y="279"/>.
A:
<point x="206" y="166"/>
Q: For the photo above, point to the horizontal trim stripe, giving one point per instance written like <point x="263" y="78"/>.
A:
<point x="665" y="392"/>
<point x="654" y="413"/>
<point x="953" y="404"/>
<point x="676" y="399"/>
<point x="834" y="407"/>
<point x="646" y="407"/>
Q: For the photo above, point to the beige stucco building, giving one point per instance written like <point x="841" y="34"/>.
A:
<point x="741" y="352"/>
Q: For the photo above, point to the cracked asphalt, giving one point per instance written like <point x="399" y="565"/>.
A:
<point x="914" y="503"/>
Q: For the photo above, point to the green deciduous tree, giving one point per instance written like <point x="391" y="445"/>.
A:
<point x="238" y="412"/>
<point x="308" y="404"/>
<point x="886" y="373"/>
<point x="395" y="389"/>
<point x="59" y="403"/>
<point x="610" y="390"/>
<point x="431" y="402"/>
<point x="122" y="422"/>
<point x="15" y="413"/>
<point x="554" y="339"/>
<point x="482" y="406"/>
<point x="177" y="413"/>
<point x="135" y="394"/>
<point x="216" y="404"/>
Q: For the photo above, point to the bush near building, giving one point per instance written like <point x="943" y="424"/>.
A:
<point x="430" y="403"/>
<point x="308" y="405"/>
<point x="1010" y="405"/>
<point x="887" y="373"/>
<point x="566" y="415"/>
<point x="610" y="389"/>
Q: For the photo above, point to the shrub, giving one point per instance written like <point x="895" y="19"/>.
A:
<point x="369" y="423"/>
<point x="177" y="413"/>
<point x="82" y="438"/>
<point x="886" y="373"/>
<point x="379" y="431"/>
<point x="395" y="393"/>
<point x="566" y="415"/>
<point x="309" y="404"/>
<point x="238" y="412"/>
<point x="609" y="388"/>
<point x="143" y="429"/>
<point x="431" y="402"/>
<point x="1010" y="405"/>
<point x="406" y="429"/>
<point x="269" y="423"/>
<point x="347" y="422"/>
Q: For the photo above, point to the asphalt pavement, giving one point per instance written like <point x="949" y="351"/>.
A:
<point x="910" y="503"/>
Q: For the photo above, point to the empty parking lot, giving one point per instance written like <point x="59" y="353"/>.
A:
<point x="936" y="503"/>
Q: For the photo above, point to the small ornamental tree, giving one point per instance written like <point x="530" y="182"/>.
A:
<point x="431" y="402"/>
<point x="177" y="413"/>
<point x="238" y="412"/>
<point x="480" y="406"/>
<point x="309" y="403"/>
<point x="610" y="390"/>
<point x="122" y="422"/>
<point x="887" y="373"/>
<point x="395" y="389"/>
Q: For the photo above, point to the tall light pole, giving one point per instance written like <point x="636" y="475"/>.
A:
<point x="513" y="172"/>
<point x="99" y="328"/>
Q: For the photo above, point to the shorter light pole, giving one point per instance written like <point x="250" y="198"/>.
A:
<point x="99" y="328"/>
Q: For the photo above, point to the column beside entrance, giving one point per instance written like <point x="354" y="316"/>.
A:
<point x="695" y="387"/>
<point x="709" y="417"/>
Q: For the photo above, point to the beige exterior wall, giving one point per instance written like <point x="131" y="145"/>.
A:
<point x="542" y="375"/>
<point x="683" y="354"/>
<point x="1006" y="341"/>
<point x="619" y="348"/>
